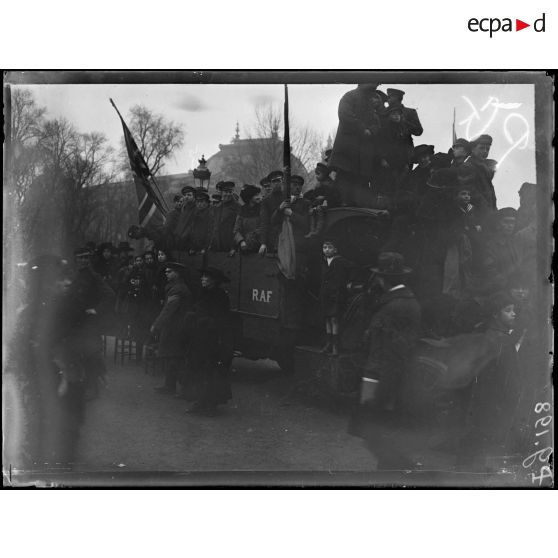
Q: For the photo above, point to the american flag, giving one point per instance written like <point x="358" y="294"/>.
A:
<point x="150" y="207"/>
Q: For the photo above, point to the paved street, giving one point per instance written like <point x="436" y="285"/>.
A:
<point x="268" y="426"/>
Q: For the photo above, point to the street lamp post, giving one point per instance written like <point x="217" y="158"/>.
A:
<point x="202" y="174"/>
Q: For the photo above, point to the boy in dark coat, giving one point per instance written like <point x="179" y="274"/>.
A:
<point x="168" y="326"/>
<point x="333" y="293"/>
<point x="224" y="217"/>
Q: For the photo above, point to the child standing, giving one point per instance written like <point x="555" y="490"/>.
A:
<point x="333" y="291"/>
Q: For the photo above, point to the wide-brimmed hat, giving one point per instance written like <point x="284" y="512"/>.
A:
<point x="248" y="192"/>
<point x="216" y="274"/>
<point x="391" y="264"/>
<point x="421" y="151"/>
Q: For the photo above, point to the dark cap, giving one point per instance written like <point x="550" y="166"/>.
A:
<point x="421" y="151"/>
<point x="506" y="212"/>
<point x="265" y="182"/>
<point x="201" y="194"/>
<point x="225" y="186"/>
<point x="175" y="266"/>
<point x="527" y="186"/>
<point x="216" y="274"/>
<point x="273" y="175"/>
<point x="296" y="179"/>
<point x="323" y="168"/>
<point x="483" y="139"/>
<point x="248" y="192"/>
<point x="391" y="264"/>
<point x="188" y="188"/>
<point x="462" y="142"/>
<point x="177" y="198"/>
<point x="81" y="252"/>
<point x="395" y="93"/>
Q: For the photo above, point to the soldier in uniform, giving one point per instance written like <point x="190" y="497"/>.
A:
<point x="478" y="173"/>
<point x="169" y="327"/>
<point x="409" y="116"/>
<point x="270" y="231"/>
<point x="353" y="154"/>
<point x="224" y="219"/>
<point x="185" y="218"/>
<point x="247" y="229"/>
<point x="201" y="229"/>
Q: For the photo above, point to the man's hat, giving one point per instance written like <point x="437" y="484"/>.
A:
<point x="105" y="246"/>
<point x="391" y="264"/>
<point x="175" y="266"/>
<point x="421" y="150"/>
<point x="273" y="175"/>
<point x="323" y="168"/>
<point x="462" y="142"/>
<point x="441" y="161"/>
<point x="215" y="274"/>
<point x="265" y="182"/>
<point x="225" y="186"/>
<point x="527" y="186"/>
<point x="248" y="192"/>
<point x="82" y="252"/>
<point x="484" y="139"/>
<point x="216" y="197"/>
<point x="395" y="93"/>
<point x="506" y="212"/>
<point x="296" y="179"/>
<point x="186" y="189"/>
<point x="201" y="194"/>
<point x="443" y="178"/>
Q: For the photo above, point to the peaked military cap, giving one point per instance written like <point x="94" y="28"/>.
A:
<point x="395" y="93"/>
<point x="226" y="185"/>
<point x="421" y="150"/>
<point x="175" y="266"/>
<point x="462" y="142"/>
<point x="274" y="175"/>
<point x="484" y="139"/>
<point x="201" y="194"/>
<point x="188" y="188"/>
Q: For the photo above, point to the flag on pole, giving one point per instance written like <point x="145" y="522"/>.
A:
<point x="286" y="252"/>
<point x="151" y="209"/>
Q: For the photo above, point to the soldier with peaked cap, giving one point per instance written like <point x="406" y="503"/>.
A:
<point x="410" y="116"/>
<point x="269" y="230"/>
<point x="460" y="151"/>
<point x="478" y="172"/>
<point x="201" y="228"/>
<point x="354" y="148"/>
<point x="224" y="217"/>
<point x="169" y="327"/>
<point x="247" y="229"/>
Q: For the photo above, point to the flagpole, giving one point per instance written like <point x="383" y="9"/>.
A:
<point x="161" y="199"/>
<point x="453" y="135"/>
<point x="286" y="148"/>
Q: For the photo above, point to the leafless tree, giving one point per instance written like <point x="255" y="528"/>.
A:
<point x="156" y="136"/>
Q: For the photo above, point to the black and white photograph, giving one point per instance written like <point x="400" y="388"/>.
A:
<point x="278" y="279"/>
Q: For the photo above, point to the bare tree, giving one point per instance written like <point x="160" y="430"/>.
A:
<point x="263" y="152"/>
<point x="157" y="137"/>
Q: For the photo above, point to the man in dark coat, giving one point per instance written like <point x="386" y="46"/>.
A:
<point x="211" y="346"/>
<point x="478" y="172"/>
<point x="201" y="228"/>
<point x="270" y="231"/>
<point x="169" y="327"/>
<point x="105" y="265"/>
<point x="460" y="151"/>
<point x="224" y="218"/>
<point x="93" y="301"/>
<point x="247" y="228"/>
<point x="353" y="154"/>
<point x="184" y="221"/>
<point x="410" y="116"/>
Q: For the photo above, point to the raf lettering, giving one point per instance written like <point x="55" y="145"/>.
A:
<point x="261" y="296"/>
<point x="492" y="25"/>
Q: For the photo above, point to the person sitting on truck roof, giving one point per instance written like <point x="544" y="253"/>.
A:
<point x="224" y="217"/>
<point x="325" y="195"/>
<point x="297" y="208"/>
<point x="270" y="231"/>
<point x="247" y="229"/>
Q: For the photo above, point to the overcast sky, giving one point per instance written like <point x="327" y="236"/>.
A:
<point x="209" y="114"/>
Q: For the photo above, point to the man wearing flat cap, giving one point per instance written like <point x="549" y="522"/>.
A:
<point x="168" y="327"/>
<point x="269" y="231"/>
<point x="224" y="217"/>
<point x="247" y="229"/>
<point x="201" y="228"/>
<point x="185" y="218"/>
<point x="354" y="148"/>
<point x="480" y="172"/>
<point x="410" y="116"/>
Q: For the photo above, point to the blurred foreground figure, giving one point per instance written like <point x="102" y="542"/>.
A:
<point x="44" y="401"/>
